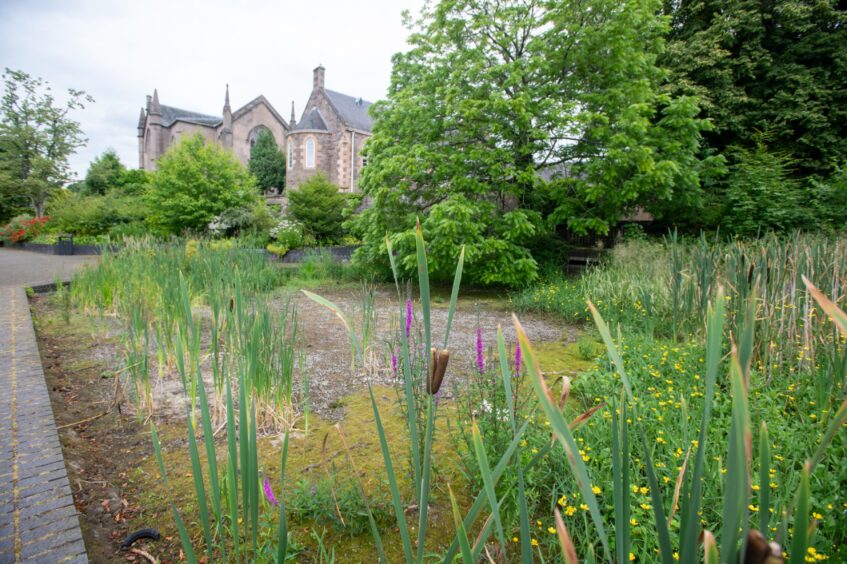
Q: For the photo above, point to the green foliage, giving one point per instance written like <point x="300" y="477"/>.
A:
<point x="337" y="502"/>
<point x="97" y="214"/>
<point x="495" y="242"/>
<point x="829" y="197"/>
<point x="277" y="249"/>
<point x="134" y="182"/>
<point x="766" y="66"/>
<point x="267" y="163"/>
<point x="288" y="233"/>
<point x="104" y="173"/>
<point x="36" y="138"/>
<point x="495" y="99"/>
<point x="762" y="196"/>
<point x="255" y="220"/>
<point x="22" y="228"/>
<point x="318" y="205"/>
<point x="589" y="349"/>
<point x="195" y="182"/>
<point x="771" y="79"/>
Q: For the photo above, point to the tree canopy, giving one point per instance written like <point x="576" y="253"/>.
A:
<point x="772" y="78"/>
<point x="772" y="68"/>
<point x="267" y="163"/>
<point x="518" y="117"/>
<point x="37" y="135"/>
<point x="104" y="173"/>
<point x="194" y="183"/>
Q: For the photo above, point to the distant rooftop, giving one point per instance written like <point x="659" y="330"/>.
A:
<point x="353" y="111"/>
<point x="171" y="114"/>
<point x="312" y="120"/>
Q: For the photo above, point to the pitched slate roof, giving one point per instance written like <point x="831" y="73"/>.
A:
<point x="312" y="120"/>
<point x="352" y="111"/>
<point x="171" y="114"/>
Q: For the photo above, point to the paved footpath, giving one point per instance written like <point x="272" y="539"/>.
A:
<point x="38" y="520"/>
<point x="24" y="268"/>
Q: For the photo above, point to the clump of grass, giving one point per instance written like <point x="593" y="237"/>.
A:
<point x="155" y="289"/>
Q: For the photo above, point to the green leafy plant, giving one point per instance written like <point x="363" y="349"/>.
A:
<point x="195" y="182"/>
<point x="318" y="206"/>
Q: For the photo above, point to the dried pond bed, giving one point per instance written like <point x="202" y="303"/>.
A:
<point x="109" y="457"/>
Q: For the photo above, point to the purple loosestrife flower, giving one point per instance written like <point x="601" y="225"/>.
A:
<point x="394" y="363"/>
<point x="269" y="493"/>
<point x="408" y="317"/>
<point x="518" y="357"/>
<point x="480" y="357"/>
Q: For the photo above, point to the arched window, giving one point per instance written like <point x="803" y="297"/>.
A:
<point x="290" y="156"/>
<point x="310" y="153"/>
<point x="253" y="136"/>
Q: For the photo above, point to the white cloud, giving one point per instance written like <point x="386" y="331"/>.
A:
<point x="119" y="50"/>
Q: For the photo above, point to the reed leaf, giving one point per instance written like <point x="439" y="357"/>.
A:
<point x="423" y="506"/>
<point x="396" y="500"/>
<point x="565" y="542"/>
<point x="764" y="479"/>
<point x="691" y="499"/>
<point x="620" y="480"/>
<point x="523" y="509"/>
<point x="351" y="331"/>
<point x="801" y="537"/>
<point x="838" y="316"/>
<point x="199" y="488"/>
<point x="481" y="499"/>
<point x="454" y="295"/>
<point x="662" y="530"/>
<point x="423" y="282"/>
<point x="282" y="533"/>
<point x="488" y="484"/>
<point x="736" y="488"/>
<point x="612" y="349"/>
<point x="461" y="532"/>
<point x="564" y="435"/>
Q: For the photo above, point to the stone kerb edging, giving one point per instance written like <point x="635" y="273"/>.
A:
<point x="38" y="519"/>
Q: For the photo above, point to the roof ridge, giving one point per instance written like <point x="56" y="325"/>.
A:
<point x="189" y="111"/>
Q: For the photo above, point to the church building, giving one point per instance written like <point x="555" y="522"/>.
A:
<point x="328" y="138"/>
<point x="161" y="126"/>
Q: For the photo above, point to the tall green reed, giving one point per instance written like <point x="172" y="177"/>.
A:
<point x="738" y="539"/>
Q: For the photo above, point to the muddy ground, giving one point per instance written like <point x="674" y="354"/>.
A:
<point x="106" y="446"/>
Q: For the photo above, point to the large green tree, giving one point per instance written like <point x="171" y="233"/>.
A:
<point x="267" y="163"/>
<point x="195" y="182"/>
<point x="37" y="135"/>
<point x="775" y="68"/>
<point x="506" y="113"/>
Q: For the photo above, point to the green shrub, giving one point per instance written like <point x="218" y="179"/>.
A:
<point x="589" y="349"/>
<point x="288" y="233"/>
<point x="318" y="205"/>
<point x="22" y="228"/>
<point x="254" y="220"/>
<point x="96" y="215"/>
<point x="196" y="182"/>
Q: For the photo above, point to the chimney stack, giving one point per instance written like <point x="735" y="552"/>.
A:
<point x="318" y="79"/>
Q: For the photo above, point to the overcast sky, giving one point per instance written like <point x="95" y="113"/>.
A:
<point x="119" y="50"/>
